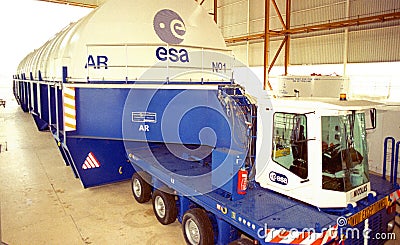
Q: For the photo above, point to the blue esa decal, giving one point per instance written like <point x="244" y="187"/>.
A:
<point x="278" y="178"/>
<point x="172" y="54"/>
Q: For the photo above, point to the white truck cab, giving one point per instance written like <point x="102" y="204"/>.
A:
<point x="314" y="150"/>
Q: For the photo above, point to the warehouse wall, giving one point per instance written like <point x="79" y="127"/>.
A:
<point x="375" y="44"/>
<point x="367" y="43"/>
<point x="370" y="51"/>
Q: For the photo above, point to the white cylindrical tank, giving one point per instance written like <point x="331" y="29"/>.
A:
<point x="121" y="39"/>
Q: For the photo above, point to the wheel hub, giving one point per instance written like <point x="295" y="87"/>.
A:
<point x="193" y="232"/>
<point x="160" y="206"/>
<point x="137" y="188"/>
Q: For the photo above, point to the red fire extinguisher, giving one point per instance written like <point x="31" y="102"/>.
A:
<point x="242" y="181"/>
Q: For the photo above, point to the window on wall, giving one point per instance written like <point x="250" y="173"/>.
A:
<point x="290" y="142"/>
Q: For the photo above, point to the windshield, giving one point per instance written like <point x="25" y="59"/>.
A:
<point x="344" y="152"/>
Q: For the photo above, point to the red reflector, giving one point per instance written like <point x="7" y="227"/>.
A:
<point x="391" y="209"/>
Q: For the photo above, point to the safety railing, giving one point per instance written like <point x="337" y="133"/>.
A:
<point x="391" y="153"/>
<point x="157" y="62"/>
<point x="143" y="63"/>
<point x="3" y="144"/>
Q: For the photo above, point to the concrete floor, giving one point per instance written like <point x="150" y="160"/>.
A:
<point x="42" y="202"/>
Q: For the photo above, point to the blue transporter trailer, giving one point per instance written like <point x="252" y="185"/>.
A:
<point x="199" y="184"/>
<point x="189" y="145"/>
<point x="172" y="110"/>
<point x="94" y="150"/>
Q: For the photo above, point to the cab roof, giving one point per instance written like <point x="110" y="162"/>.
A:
<point x="316" y="103"/>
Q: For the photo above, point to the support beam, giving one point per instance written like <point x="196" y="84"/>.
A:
<point x="287" y="31"/>
<point x="287" y="43"/>
<point x="72" y="3"/>
<point x="266" y="44"/>
<point x="322" y="27"/>
<point x="346" y="40"/>
<point x="247" y="32"/>
<point x="279" y="14"/>
<point x="342" y="24"/>
<point x="283" y="43"/>
<point x="243" y="38"/>
<point x="215" y="11"/>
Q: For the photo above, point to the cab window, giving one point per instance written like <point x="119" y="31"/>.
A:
<point x="344" y="152"/>
<point x="290" y="142"/>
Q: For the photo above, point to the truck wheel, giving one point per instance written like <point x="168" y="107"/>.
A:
<point x="164" y="207"/>
<point x="197" y="227"/>
<point x="141" y="190"/>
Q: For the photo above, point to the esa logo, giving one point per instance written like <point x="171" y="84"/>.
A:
<point x="169" y="26"/>
<point x="278" y="178"/>
<point x="171" y="29"/>
<point x="173" y="54"/>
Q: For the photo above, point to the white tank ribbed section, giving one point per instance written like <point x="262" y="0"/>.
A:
<point x="123" y="31"/>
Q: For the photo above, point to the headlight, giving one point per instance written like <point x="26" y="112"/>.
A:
<point x="390" y="226"/>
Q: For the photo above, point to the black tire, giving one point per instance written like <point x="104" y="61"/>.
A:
<point x="164" y="207"/>
<point x="141" y="190"/>
<point x="197" y="228"/>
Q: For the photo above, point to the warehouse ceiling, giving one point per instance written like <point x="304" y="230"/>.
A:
<point x="87" y="3"/>
<point x="81" y="3"/>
